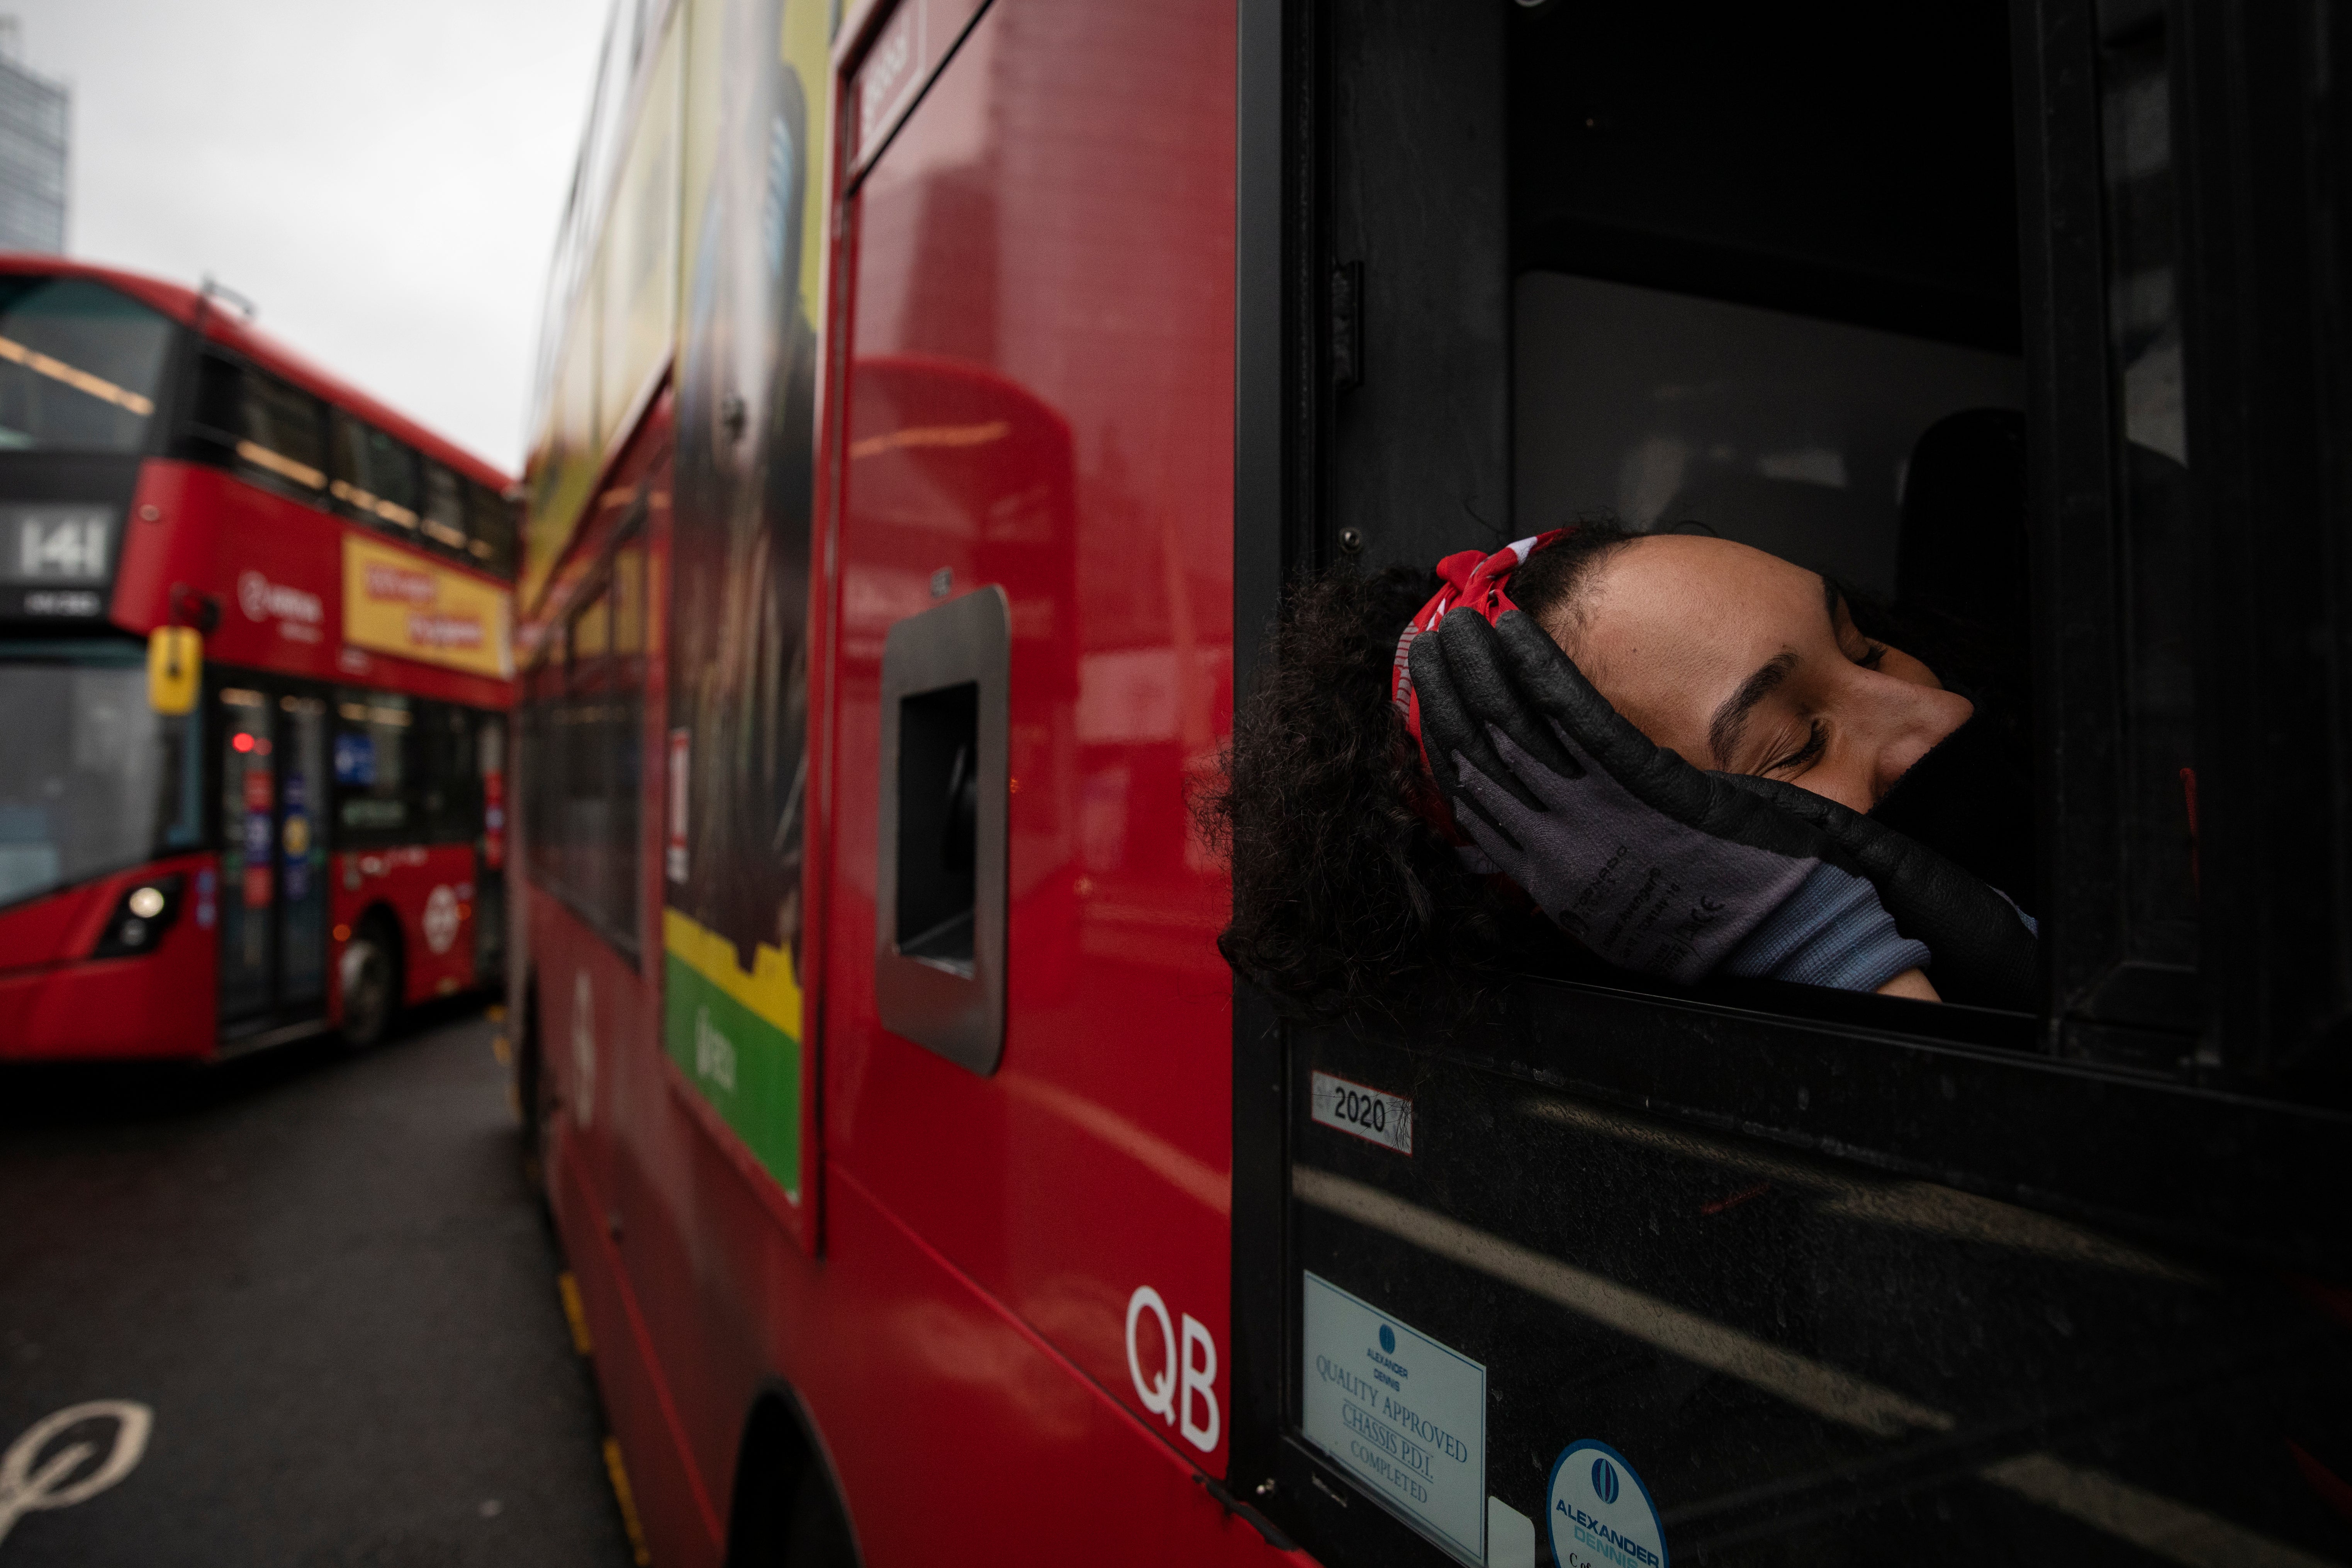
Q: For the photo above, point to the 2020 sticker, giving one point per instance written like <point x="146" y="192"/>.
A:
<point x="1599" y="1512"/>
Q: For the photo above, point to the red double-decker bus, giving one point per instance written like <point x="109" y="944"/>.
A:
<point x="255" y="667"/>
<point x="942" y="399"/>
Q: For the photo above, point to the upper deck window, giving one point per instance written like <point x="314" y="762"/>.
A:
<point x="81" y="366"/>
<point x="445" y="508"/>
<point x="372" y="475"/>
<point x="276" y="433"/>
<point x="490" y="521"/>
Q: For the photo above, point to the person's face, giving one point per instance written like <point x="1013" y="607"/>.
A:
<point x="1742" y="662"/>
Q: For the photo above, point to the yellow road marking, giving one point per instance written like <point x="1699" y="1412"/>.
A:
<point x="573" y="1312"/>
<point x="619" y="1474"/>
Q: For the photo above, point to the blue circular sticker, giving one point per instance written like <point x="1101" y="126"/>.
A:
<point x="1600" y="1513"/>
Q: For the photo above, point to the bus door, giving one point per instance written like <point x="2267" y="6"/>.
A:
<point x="2039" y="331"/>
<point x="273" y="949"/>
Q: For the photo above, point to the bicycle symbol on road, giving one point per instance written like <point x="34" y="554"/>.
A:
<point x="58" y="1480"/>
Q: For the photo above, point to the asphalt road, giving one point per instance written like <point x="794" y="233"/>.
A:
<point x="327" y="1277"/>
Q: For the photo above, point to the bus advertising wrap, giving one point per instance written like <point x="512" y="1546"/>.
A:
<point x="398" y="602"/>
<point x="739" y="553"/>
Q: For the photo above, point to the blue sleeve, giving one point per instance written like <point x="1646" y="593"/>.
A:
<point x="1833" y="932"/>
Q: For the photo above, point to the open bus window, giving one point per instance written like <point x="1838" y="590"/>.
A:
<point x="1761" y="344"/>
<point x="373" y="476"/>
<point x="110" y="782"/>
<point x="81" y="366"/>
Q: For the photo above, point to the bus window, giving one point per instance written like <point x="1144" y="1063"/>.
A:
<point x="375" y="753"/>
<point x="491" y="525"/>
<point x="81" y="366"/>
<point x="583" y="717"/>
<point x="445" y="508"/>
<point x="110" y="784"/>
<point x="275" y="434"/>
<point x="374" y="476"/>
<point x="449" y="787"/>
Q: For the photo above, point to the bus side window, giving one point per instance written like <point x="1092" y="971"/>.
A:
<point x="373" y="476"/>
<point x="374" y="767"/>
<point x="266" y="430"/>
<point x="449" y="790"/>
<point x="491" y="524"/>
<point x="445" y="508"/>
<point x="582" y="729"/>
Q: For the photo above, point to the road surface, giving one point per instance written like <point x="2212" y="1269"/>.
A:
<point x="328" y="1279"/>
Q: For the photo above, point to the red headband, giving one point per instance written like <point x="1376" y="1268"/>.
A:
<point x="1473" y="581"/>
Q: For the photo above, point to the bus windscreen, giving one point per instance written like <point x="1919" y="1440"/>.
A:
<point x="107" y="785"/>
<point x="81" y="366"/>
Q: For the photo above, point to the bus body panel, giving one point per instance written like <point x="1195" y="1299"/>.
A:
<point x="1042" y="271"/>
<point x="430" y="889"/>
<point x="1066" y="436"/>
<point x="928" y="1393"/>
<point x="275" y="566"/>
<point x="64" y="1002"/>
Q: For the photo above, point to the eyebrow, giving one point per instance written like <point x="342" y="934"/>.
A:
<point x="1724" y="730"/>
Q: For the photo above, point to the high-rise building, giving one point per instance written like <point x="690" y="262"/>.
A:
<point x="32" y="153"/>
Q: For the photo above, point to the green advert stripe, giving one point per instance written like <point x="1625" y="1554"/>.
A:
<point x="748" y="1070"/>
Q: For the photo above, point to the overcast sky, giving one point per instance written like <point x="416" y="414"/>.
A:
<point x="381" y="180"/>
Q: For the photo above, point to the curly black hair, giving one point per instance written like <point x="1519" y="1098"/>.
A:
<point x="1345" y="899"/>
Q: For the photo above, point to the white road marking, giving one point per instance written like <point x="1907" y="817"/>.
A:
<point x="23" y="1489"/>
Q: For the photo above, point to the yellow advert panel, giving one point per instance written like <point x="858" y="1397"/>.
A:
<point x="395" y="602"/>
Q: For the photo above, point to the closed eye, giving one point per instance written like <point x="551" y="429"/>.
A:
<point x="1817" y="740"/>
<point x="1874" y="658"/>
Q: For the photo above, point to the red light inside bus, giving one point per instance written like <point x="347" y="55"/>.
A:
<point x="241" y="743"/>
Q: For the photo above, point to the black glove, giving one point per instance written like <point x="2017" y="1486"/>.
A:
<point x="1653" y="864"/>
<point x="1985" y="952"/>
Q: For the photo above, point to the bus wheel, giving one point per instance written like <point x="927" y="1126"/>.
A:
<point x="785" y="1511"/>
<point x="371" y="976"/>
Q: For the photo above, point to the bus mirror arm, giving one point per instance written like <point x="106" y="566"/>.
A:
<point x="195" y="607"/>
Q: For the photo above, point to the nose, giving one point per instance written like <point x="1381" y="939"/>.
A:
<point x="1903" y="722"/>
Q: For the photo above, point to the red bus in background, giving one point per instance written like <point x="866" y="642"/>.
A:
<point x="320" y="838"/>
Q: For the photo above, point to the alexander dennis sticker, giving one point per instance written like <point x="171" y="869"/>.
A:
<point x="1368" y="1113"/>
<point x="1404" y="1414"/>
<point x="1600" y="1513"/>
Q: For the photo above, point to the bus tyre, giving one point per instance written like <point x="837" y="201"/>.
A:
<point x="371" y="977"/>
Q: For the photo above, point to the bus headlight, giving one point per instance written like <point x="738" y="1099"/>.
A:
<point x="139" y="920"/>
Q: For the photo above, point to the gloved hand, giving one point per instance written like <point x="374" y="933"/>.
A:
<point x="1653" y="864"/>
<point x="1984" y="945"/>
